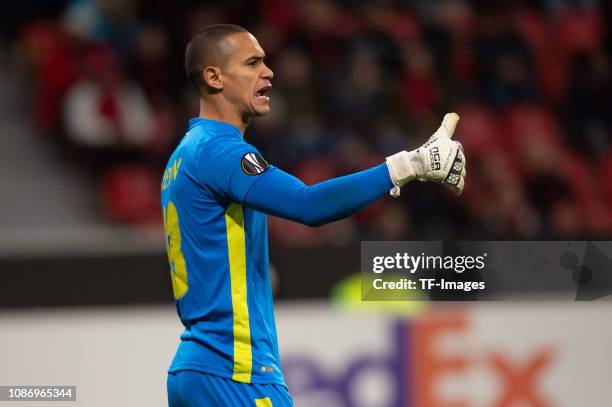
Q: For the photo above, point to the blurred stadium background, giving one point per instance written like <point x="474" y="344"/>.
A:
<point x="94" y="98"/>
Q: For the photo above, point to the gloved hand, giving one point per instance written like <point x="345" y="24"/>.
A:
<point x="440" y="159"/>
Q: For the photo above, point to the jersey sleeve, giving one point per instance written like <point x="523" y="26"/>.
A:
<point x="229" y="167"/>
<point x="281" y="194"/>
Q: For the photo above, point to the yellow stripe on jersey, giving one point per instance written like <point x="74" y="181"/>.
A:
<point x="243" y="359"/>
<point x="263" y="402"/>
<point x="178" y="266"/>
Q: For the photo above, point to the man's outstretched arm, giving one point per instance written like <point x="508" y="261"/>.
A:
<point x="281" y="194"/>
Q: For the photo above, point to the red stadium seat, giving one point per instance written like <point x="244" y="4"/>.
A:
<point x="130" y="194"/>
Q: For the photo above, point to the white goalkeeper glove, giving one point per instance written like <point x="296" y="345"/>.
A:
<point x="440" y="159"/>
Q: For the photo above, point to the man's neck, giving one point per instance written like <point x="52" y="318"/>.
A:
<point x="223" y="112"/>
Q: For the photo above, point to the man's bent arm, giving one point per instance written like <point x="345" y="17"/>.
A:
<point x="281" y="194"/>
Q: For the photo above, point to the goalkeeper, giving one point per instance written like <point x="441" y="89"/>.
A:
<point x="216" y="192"/>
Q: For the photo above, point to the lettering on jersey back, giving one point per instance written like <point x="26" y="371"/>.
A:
<point x="171" y="173"/>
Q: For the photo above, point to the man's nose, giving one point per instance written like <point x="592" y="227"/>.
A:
<point x="267" y="73"/>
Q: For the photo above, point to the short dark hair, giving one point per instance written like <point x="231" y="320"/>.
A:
<point x="204" y="49"/>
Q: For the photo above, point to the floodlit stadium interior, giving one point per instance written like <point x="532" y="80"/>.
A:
<point x="94" y="99"/>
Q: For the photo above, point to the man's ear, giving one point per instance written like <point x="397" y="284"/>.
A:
<point x="211" y="76"/>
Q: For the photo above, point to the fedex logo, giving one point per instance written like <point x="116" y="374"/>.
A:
<point x="416" y="369"/>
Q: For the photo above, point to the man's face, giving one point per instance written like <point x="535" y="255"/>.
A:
<point x="246" y="78"/>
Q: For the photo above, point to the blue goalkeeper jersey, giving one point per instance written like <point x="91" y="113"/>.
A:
<point x="218" y="254"/>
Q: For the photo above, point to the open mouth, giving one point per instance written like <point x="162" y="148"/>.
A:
<point x="261" y="94"/>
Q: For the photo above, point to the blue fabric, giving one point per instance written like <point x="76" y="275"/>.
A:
<point x="208" y="179"/>
<point x="280" y="194"/>
<point x="207" y="174"/>
<point x="194" y="389"/>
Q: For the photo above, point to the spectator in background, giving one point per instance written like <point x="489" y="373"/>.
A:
<point x="52" y="56"/>
<point x="497" y="64"/>
<point x="149" y="64"/>
<point x="356" y="90"/>
<point x="503" y="60"/>
<point x="106" y="111"/>
<point x="589" y="108"/>
<point x="418" y="84"/>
